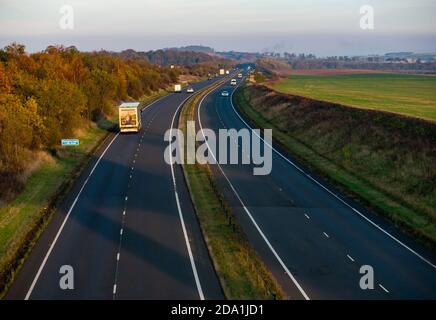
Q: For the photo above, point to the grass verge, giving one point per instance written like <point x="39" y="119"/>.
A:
<point x="241" y="272"/>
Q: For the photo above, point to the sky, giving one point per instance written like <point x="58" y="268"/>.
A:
<point x="322" y="27"/>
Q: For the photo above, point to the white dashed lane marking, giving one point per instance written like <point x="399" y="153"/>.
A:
<point x="384" y="289"/>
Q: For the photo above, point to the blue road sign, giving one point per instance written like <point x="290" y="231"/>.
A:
<point x="70" y="142"/>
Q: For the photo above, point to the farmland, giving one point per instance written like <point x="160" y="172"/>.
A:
<point x="412" y="95"/>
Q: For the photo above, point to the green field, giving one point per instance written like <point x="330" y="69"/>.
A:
<point x="412" y="95"/>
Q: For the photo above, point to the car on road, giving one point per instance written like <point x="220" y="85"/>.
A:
<point x="233" y="82"/>
<point x="239" y="75"/>
<point x="190" y="90"/>
<point x="225" y="93"/>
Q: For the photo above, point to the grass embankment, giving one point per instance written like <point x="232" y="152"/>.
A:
<point x="385" y="161"/>
<point x="413" y="95"/>
<point x="241" y="272"/>
<point x="24" y="218"/>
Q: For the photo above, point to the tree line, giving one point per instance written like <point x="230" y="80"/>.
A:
<point x="48" y="95"/>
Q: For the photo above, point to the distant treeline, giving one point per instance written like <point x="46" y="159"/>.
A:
<point x="347" y="63"/>
<point x="47" y="96"/>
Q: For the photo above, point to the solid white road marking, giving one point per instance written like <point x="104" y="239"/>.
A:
<point x="114" y="291"/>
<point x="332" y="193"/>
<point x="182" y="222"/>
<point x="118" y="256"/>
<point x="327" y="236"/>
<point x="121" y="231"/>
<point x="279" y="259"/>
<point x="350" y="257"/>
<point x="306" y="216"/>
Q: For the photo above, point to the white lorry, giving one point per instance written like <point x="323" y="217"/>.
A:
<point x="177" y="88"/>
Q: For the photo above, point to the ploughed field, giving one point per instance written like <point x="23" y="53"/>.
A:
<point x="412" y="95"/>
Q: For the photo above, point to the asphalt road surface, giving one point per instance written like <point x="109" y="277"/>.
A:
<point x="129" y="232"/>
<point x="121" y="229"/>
<point x="313" y="239"/>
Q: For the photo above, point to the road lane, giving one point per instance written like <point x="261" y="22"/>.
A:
<point x="123" y="237"/>
<point x="320" y="239"/>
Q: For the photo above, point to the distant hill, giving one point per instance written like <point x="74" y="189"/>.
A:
<point x="194" y="48"/>
<point x="240" y="56"/>
<point x="167" y="56"/>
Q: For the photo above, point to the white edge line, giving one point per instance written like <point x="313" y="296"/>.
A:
<point x="35" y="280"/>
<point x="332" y="193"/>
<point x="41" y="267"/>
<point x="182" y="222"/>
<point x="303" y="293"/>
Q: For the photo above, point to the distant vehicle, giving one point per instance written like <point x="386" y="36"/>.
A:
<point x="190" y="90"/>
<point x="225" y="93"/>
<point x="129" y="116"/>
<point x="177" y="88"/>
<point x="233" y="82"/>
<point x="222" y="71"/>
<point x="227" y="72"/>
<point x="239" y="75"/>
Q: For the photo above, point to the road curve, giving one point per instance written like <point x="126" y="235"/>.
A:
<point x="312" y="238"/>
<point x="120" y="226"/>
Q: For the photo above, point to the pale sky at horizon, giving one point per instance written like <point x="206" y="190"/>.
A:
<point x="317" y="26"/>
